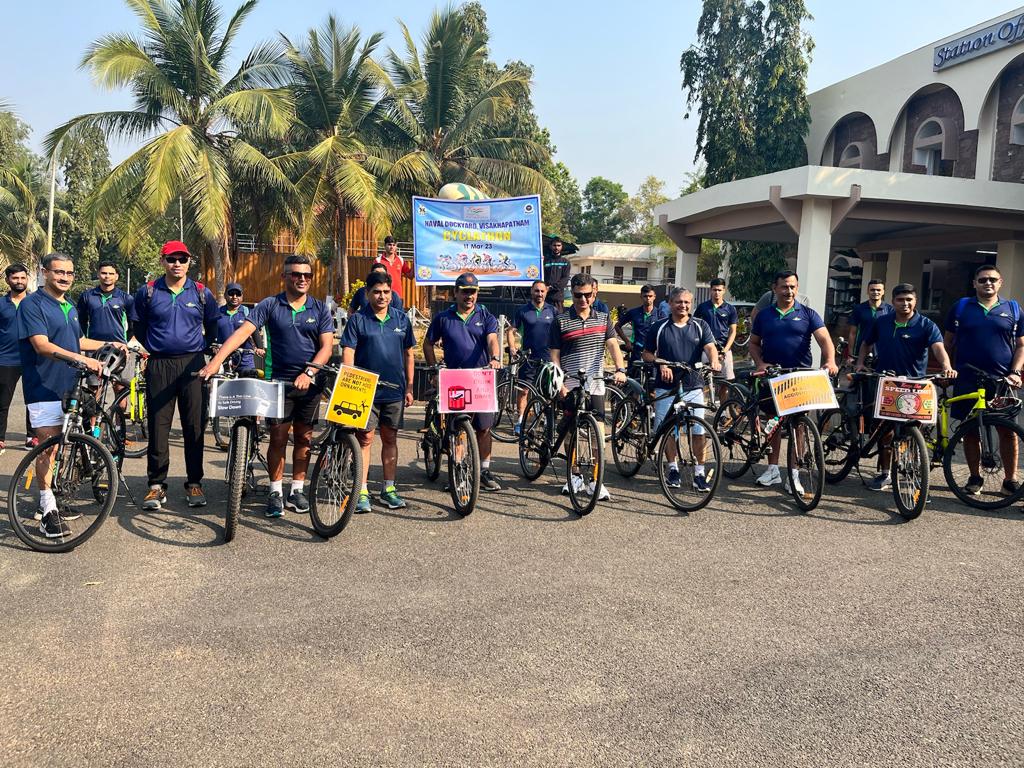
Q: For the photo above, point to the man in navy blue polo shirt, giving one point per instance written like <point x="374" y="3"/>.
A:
<point x="175" y="320"/>
<point x="640" y="319"/>
<point x="901" y="341"/>
<point x="104" y="309"/>
<point x="781" y="335"/>
<point x="865" y="315"/>
<point x="232" y="315"/>
<point x="985" y="331"/>
<point x="16" y="276"/>
<point x="301" y="331"/>
<point x="360" y="299"/>
<point x="48" y="331"/>
<point x="379" y="338"/>
<point x="468" y="334"/>
<point x="722" y="318"/>
<point x="532" y="322"/>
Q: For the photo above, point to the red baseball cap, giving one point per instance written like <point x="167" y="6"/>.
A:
<point x="174" y="246"/>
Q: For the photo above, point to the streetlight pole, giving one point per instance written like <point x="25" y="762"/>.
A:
<point x="53" y="192"/>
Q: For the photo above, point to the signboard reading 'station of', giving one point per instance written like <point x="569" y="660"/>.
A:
<point x="352" y="397"/>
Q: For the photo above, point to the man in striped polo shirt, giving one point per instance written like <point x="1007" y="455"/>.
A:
<point x="579" y="338"/>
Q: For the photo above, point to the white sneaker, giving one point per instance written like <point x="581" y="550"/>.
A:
<point x="796" y="484"/>
<point x="602" y="495"/>
<point x="770" y="477"/>
<point x="577" y="485"/>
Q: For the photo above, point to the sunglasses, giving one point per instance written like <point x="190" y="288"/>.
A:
<point x="300" y="275"/>
<point x="177" y="259"/>
<point x="467" y="291"/>
<point x="586" y="296"/>
<point x="233" y="293"/>
<point x="984" y="280"/>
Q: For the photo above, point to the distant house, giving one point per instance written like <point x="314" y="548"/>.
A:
<point x="625" y="263"/>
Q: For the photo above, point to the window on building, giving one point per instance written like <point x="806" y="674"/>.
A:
<point x="934" y="143"/>
<point x="617" y="275"/>
<point x="585" y="269"/>
<point x="852" y="156"/>
<point x="1017" y="123"/>
<point x="670" y="274"/>
<point x="639" y="274"/>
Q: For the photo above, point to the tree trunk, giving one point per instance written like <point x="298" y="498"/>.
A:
<point x="217" y="251"/>
<point x="343" y="251"/>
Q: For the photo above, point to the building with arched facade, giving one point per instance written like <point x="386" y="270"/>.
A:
<point x="915" y="174"/>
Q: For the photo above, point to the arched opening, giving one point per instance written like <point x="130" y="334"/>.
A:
<point x="853" y="156"/>
<point x="1017" y="122"/>
<point x="852" y="143"/>
<point x="935" y="142"/>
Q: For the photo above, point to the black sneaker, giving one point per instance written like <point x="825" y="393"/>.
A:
<point x="974" y="485"/>
<point x="488" y="481"/>
<point x="297" y="502"/>
<point x="52" y="527"/>
<point x="700" y="484"/>
<point x="1010" y="487"/>
<point x="275" y="505"/>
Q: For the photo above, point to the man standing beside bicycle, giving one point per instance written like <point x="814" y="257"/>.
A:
<point x="984" y="331"/>
<point x="533" y="324"/>
<point x="48" y="329"/>
<point x="722" y="318"/>
<point x="301" y="331"/>
<point x="379" y="338"/>
<point x="640" y="319"/>
<point x="681" y="339"/>
<point x="901" y="341"/>
<point x="866" y="314"/>
<point x="781" y="335"/>
<point x="16" y="275"/>
<point x="579" y="338"/>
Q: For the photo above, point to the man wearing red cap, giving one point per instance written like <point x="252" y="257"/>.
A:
<point x="396" y="265"/>
<point x="175" y="320"/>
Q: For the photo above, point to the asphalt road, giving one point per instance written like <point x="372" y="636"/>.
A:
<point x="743" y="635"/>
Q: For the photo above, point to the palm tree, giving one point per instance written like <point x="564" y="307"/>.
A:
<point x="24" y="206"/>
<point x="190" y="112"/>
<point x="340" y="166"/>
<point x="442" y="115"/>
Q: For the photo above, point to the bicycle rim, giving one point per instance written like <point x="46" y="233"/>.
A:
<point x="431" y="443"/>
<point x="735" y="430"/>
<point x="333" y="486"/>
<point x="909" y="472"/>
<point x="629" y="437"/>
<point x="463" y="467"/>
<point x="696" y="451"/>
<point x="533" y="439"/>
<point x="805" y="463"/>
<point x="839" y="444"/>
<point x="238" y="466"/>
<point x="505" y="418"/>
<point x="956" y="467"/>
<point x="585" y="464"/>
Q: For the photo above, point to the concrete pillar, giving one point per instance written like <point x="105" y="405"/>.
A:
<point x="1010" y="260"/>
<point x="686" y="269"/>
<point x="875" y="266"/>
<point x="911" y="269"/>
<point x="813" y="253"/>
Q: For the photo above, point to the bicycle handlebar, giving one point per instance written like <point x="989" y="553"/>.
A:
<point x="328" y="368"/>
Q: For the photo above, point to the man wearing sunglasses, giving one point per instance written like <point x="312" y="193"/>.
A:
<point x="985" y="331"/>
<point x="232" y="315"/>
<point x="175" y="320"/>
<point x="301" y="331"/>
<point x="468" y="334"/>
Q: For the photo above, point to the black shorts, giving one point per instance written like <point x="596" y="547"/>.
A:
<point x="528" y="371"/>
<point x="482" y="421"/>
<point x="961" y="386"/>
<point x="596" y="405"/>
<point x="301" y="407"/>
<point x="387" y="415"/>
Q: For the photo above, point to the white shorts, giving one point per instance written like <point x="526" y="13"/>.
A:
<point x="661" y="407"/>
<point x="728" y="372"/>
<point x="46" y="414"/>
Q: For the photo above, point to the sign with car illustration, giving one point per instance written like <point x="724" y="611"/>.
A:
<point x="352" y="397"/>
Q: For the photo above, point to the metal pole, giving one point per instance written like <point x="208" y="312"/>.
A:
<point x="181" y="220"/>
<point x="53" y="192"/>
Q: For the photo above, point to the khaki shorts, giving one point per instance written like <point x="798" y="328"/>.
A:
<point x="726" y="360"/>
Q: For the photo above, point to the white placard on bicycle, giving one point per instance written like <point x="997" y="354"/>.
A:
<point x="900" y="399"/>
<point x="247" y="397"/>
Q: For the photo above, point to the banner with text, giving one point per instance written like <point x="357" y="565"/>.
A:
<point x="497" y="240"/>
<point x="802" y="391"/>
<point x="467" y="390"/>
<point x="905" y="400"/>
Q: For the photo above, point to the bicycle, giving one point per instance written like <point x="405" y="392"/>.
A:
<point x="451" y="434"/>
<point x="540" y="439"/>
<point x="858" y="435"/>
<point x="508" y="385"/>
<point x="744" y="442"/>
<point x="84" y="474"/>
<point x="132" y="403"/>
<point x="633" y="444"/>
<point x="221" y="425"/>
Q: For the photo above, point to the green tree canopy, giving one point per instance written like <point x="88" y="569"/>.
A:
<point x="604" y="213"/>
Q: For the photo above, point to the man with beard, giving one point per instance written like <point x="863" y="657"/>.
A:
<point x="16" y="276"/>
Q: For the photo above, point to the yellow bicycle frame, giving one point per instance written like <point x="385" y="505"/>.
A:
<point x="942" y="438"/>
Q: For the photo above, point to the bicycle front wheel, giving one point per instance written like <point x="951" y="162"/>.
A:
<point x="805" y="462"/>
<point x="585" y="464"/>
<point x="84" y="484"/>
<point x="840" y="444"/>
<point x="136" y="430"/>
<point x="909" y="471"/>
<point x="976" y="452"/>
<point x="333" y="488"/>
<point x="238" y="465"/>
<point x="629" y="436"/>
<point x="533" y="438"/>
<point x="463" y="467"/>
<point x="691" y="444"/>
<point x="222" y="431"/>
<point x="507" y="417"/>
<point x="430" y="443"/>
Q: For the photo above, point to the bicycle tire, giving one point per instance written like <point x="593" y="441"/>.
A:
<point x="682" y="428"/>
<point x="630" y="429"/>
<point x="839" y="442"/>
<point x="136" y="428"/>
<point x="954" y="466"/>
<point x="332" y="488"/>
<point x="584" y="459"/>
<point x="910" y="466"/>
<point x="464" y="473"/>
<point x="507" y="416"/>
<point x="431" y="443"/>
<point x="734" y="429"/>
<point x="111" y="434"/>
<point x="809" y="463"/>
<point x="534" y="451"/>
<point x="613" y="395"/>
<point x="221" y="427"/>
<point x="238" y="462"/>
<point x="75" y="453"/>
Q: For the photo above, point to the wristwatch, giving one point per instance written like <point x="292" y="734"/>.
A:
<point x="495" y="359"/>
<point x="310" y="372"/>
<point x="620" y="370"/>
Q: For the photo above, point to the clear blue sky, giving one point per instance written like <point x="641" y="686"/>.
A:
<point x="607" y="81"/>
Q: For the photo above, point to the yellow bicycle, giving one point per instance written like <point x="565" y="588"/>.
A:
<point x="132" y="402"/>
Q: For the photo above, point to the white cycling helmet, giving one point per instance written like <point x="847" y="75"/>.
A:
<point x="550" y="380"/>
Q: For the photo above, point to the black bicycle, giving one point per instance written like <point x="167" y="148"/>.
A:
<point x="451" y="434"/>
<point x="546" y="426"/>
<point x="508" y="385"/>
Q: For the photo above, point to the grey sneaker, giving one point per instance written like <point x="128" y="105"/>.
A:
<point x="363" y="505"/>
<point x="880" y="482"/>
<point x="196" y="497"/>
<point x="155" y="498"/>
<point x="275" y="505"/>
<point x="488" y="481"/>
<point x="297" y="502"/>
<point x="391" y="498"/>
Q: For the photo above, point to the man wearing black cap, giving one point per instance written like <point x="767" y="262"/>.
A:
<point x="468" y="333"/>
<point x="397" y="266"/>
<point x="556" y="272"/>
<point x="175" y="320"/>
<point x="232" y="315"/>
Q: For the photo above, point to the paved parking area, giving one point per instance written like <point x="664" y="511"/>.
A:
<point x="742" y="635"/>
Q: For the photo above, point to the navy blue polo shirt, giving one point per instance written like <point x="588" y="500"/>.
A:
<point x="45" y="380"/>
<point x="642" y="323"/>
<point x="902" y="348"/>
<point x="294" y="334"/>
<point x="227" y="324"/>
<point x="173" y="324"/>
<point x="679" y="344"/>
<point x="9" y="347"/>
<point x="361" y="301"/>
<point x="464" y="341"/>
<point x="718" y="318"/>
<point x="984" y="337"/>
<point x="864" y="317"/>
<point x="534" y="326"/>
<point x="104" y="316"/>
<point x="380" y="346"/>
<point x="786" y="337"/>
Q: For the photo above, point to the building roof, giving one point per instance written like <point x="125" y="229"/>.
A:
<point x="625" y="252"/>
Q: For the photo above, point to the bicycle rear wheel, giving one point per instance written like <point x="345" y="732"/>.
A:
<point x="332" y="488"/>
<point x="839" y="443"/>
<point x="985" y="442"/>
<point x="81" y="465"/>
<point x="584" y="464"/>
<point x="909" y="471"/>
<point x="507" y="417"/>
<point x="629" y="437"/>
<point x="136" y="430"/>
<point x="430" y="443"/>
<point x="238" y="463"/>
<point x="222" y="431"/>
<point x="533" y="438"/>
<point x="686" y="430"/>
<point x="463" y="467"/>
<point x="735" y="430"/>
<point x="805" y="462"/>
<point x="613" y="395"/>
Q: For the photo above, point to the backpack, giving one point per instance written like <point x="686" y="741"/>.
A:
<point x="961" y="305"/>
<point x="200" y="289"/>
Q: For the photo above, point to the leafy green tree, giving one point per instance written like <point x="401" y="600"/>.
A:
<point x="14" y="134"/>
<point x="562" y="209"/>
<point x="190" y="108"/>
<point x="639" y="214"/>
<point x="24" y="208"/>
<point x="604" y="211"/>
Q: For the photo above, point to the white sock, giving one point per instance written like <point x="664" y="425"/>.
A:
<point x="485" y="464"/>
<point x="298" y="485"/>
<point x="795" y="474"/>
<point x="47" y="501"/>
<point x="388" y="484"/>
<point x="673" y="465"/>
<point x="277" y="486"/>
<point x="698" y="469"/>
